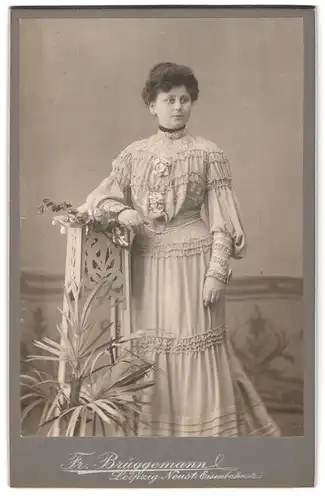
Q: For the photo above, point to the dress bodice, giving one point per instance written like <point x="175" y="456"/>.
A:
<point x="168" y="173"/>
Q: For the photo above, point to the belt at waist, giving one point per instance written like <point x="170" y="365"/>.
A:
<point x="186" y="236"/>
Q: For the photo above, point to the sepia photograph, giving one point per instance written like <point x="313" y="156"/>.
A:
<point x="162" y="250"/>
<point x="161" y="226"/>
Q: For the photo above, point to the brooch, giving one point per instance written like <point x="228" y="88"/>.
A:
<point x="162" y="166"/>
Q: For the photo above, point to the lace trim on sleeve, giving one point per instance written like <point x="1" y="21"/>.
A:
<point x="223" y="277"/>
<point x="218" y="171"/>
<point x="221" y="253"/>
<point x="222" y="261"/>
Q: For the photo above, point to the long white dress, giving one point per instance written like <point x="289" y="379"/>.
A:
<point x="182" y="186"/>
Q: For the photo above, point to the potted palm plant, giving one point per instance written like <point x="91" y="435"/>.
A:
<point x="102" y="391"/>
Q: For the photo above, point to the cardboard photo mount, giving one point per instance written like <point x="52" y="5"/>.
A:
<point x="169" y="462"/>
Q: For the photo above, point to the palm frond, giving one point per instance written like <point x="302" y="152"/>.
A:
<point x="57" y="418"/>
<point x="40" y="357"/>
<point x="103" y="367"/>
<point x="87" y="305"/>
<point x="132" y="388"/>
<point x="109" y="419"/>
<point x="103" y="428"/>
<point x="28" y="396"/>
<point x="27" y="377"/>
<point x="55" y="404"/>
<point x="90" y="362"/>
<point x="73" y="421"/>
<point x="89" y="345"/>
<point x="42" y="344"/>
<point x="45" y="411"/>
<point x="95" y="360"/>
<point x="110" y="410"/>
<point x="30" y="407"/>
<point x="133" y="377"/>
<point x="52" y="342"/>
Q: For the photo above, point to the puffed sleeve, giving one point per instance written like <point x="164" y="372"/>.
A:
<point x="223" y="215"/>
<point x="112" y="194"/>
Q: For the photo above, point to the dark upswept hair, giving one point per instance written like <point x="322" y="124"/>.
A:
<point x="164" y="76"/>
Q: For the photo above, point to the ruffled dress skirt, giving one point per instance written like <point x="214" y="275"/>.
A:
<point x="200" y="387"/>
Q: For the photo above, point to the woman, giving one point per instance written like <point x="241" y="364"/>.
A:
<point x="174" y="191"/>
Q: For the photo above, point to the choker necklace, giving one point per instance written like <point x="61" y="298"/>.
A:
<point x="171" y="130"/>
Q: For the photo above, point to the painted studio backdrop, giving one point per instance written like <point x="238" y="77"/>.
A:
<point x="80" y="105"/>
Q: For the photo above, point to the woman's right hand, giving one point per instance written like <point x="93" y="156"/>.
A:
<point x="131" y="219"/>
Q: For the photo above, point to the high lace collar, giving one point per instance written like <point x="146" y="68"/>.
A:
<point x="173" y="134"/>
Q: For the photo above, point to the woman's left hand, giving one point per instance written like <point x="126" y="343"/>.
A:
<point x="211" y="290"/>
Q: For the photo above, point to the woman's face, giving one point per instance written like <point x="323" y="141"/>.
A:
<point x="172" y="108"/>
